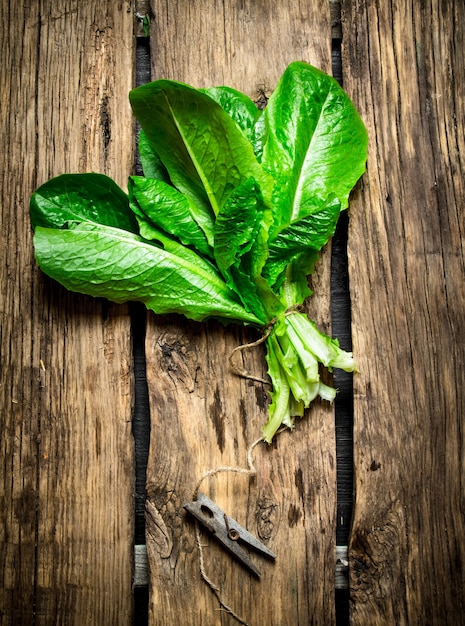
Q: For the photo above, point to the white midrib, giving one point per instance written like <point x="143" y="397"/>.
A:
<point x="296" y="201"/>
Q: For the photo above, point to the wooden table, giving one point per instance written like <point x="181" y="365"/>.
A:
<point x="67" y="394"/>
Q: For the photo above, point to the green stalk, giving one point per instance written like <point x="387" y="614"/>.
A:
<point x="325" y="349"/>
<point x="295" y="348"/>
<point x="302" y="390"/>
<point x="279" y="409"/>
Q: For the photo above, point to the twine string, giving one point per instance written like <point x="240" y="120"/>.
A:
<point x="240" y="371"/>
<point x="250" y="471"/>
<point x="216" y="590"/>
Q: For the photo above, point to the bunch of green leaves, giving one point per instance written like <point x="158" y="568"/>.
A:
<point x="227" y="221"/>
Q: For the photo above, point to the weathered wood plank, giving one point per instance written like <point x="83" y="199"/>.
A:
<point x="404" y="67"/>
<point x="242" y="42"/>
<point x="203" y="416"/>
<point x="66" y="392"/>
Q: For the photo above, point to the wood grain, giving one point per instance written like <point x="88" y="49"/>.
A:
<point x="240" y="43"/>
<point x="66" y="392"/>
<point x="203" y="416"/>
<point x="403" y="65"/>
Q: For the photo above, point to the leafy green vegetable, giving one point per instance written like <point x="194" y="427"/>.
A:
<point x="227" y="222"/>
<point x="157" y="204"/>
<point x="103" y="261"/>
<point x="151" y="162"/>
<point x="79" y="198"/>
<point x="243" y="111"/>
<point x="202" y="148"/>
<point x="316" y="144"/>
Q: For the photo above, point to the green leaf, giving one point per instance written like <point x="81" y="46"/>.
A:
<point x="201" y="146"/>
<point x="306" y="236"/>
<point x="237" y="224"/>
<point x="158" y="204"/>
<point x="259" y="134"/>
<point x="81" y="197"/>
<point x="241" y="234"/>
<point x="312" y="231"/>
<point x="315" y="144"/>
<point x="238" y="106"/>
<point x="146" y="25"/>
<point x="244" y="112"/>
<point x="114" y="264"/>
<point x="150" y="161"/>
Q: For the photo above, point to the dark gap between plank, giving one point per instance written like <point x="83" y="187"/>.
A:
<point x="141" y="414"/>
<point x="341" y="328"/>
<point x="141" y="417"/>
